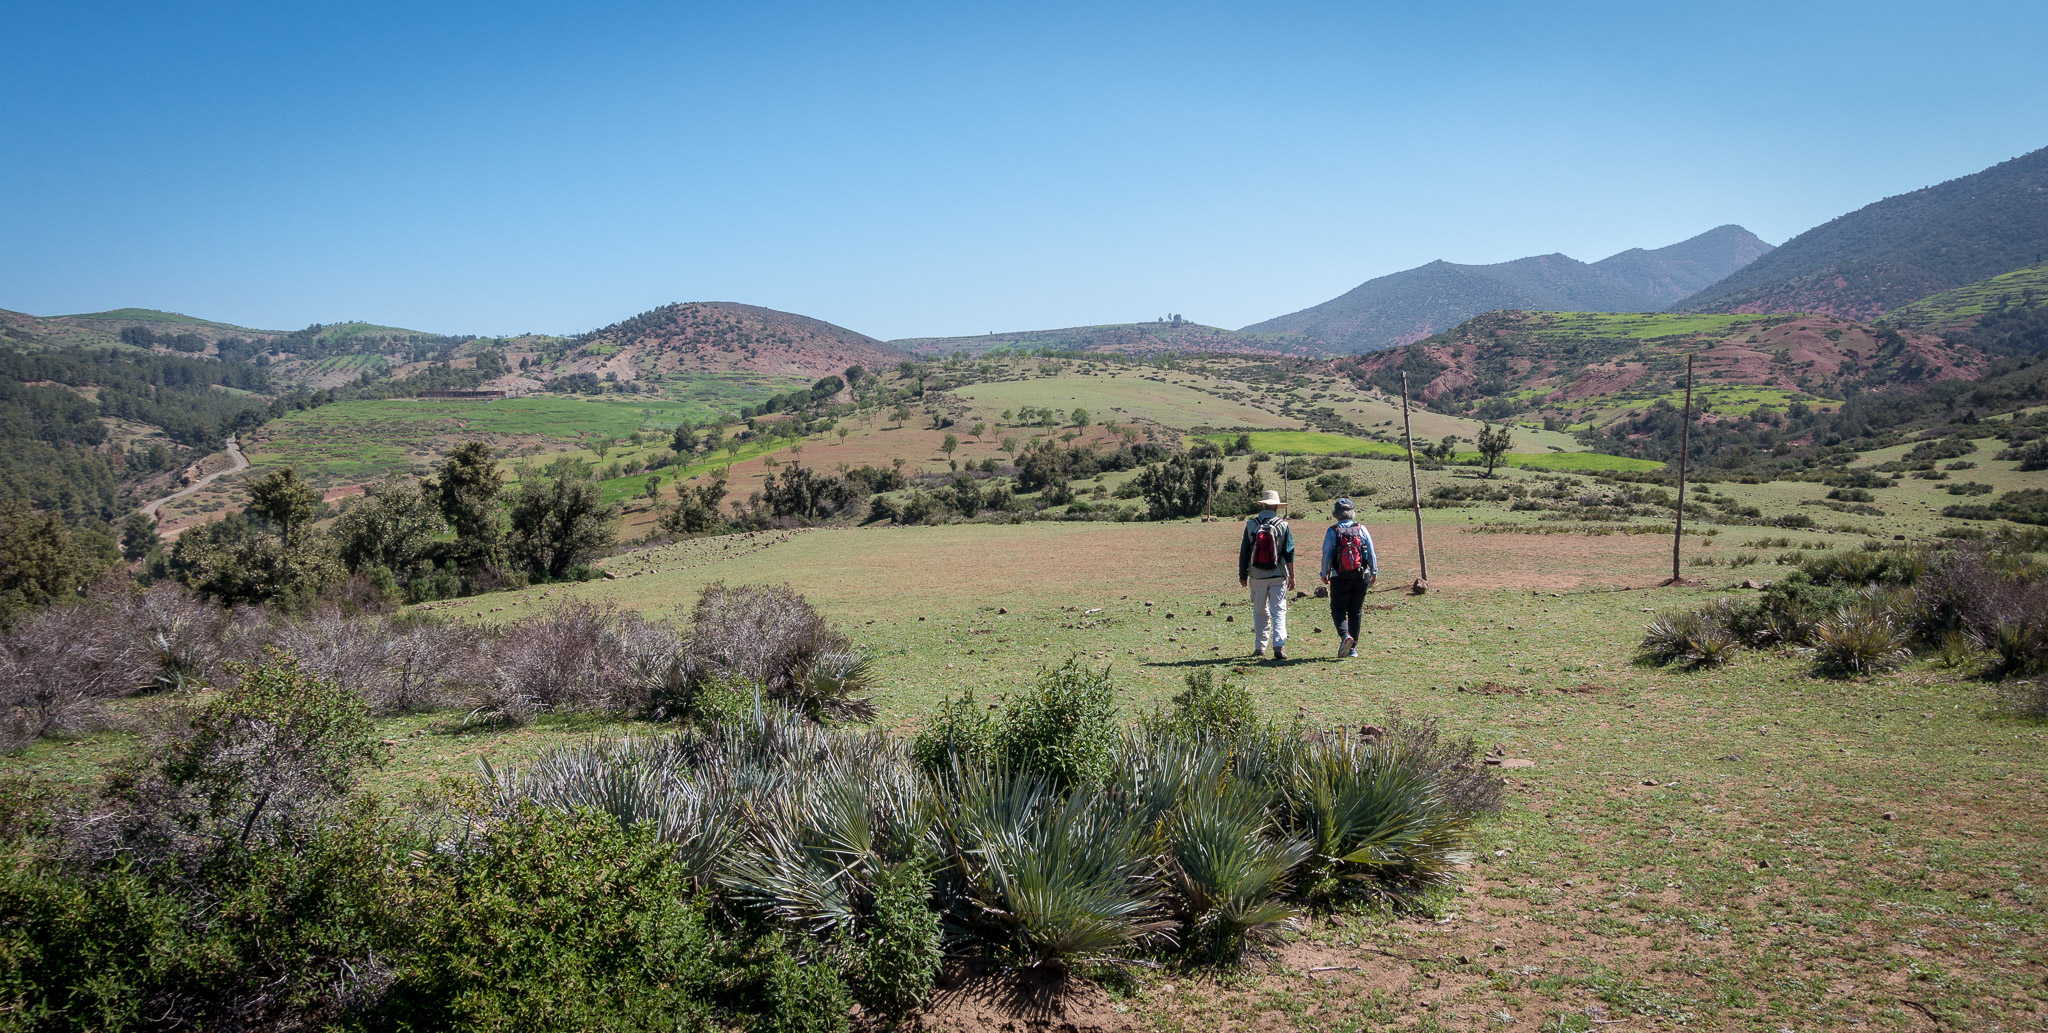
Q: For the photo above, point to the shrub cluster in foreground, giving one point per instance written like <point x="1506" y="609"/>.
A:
<point x="60" y="666"/>
<point x="755" y="870"/>
<point x="1865" y="611"/>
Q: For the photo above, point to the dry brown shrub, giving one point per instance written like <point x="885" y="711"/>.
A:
<point x="60" y="665"/>
<point x="572" y="658"/>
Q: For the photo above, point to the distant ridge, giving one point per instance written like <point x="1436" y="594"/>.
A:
<point x="1407" y="306"/>
<point x="725" y="336"/>
<point x="1119" y="338"/>
<point x="1900" y="249"/>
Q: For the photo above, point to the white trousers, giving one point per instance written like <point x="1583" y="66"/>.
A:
<point x="1269" y="611"/>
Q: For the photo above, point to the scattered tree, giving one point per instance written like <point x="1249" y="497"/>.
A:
<point x="1494" y="444"/>
<point x="286" y="501"/>
<point x="684" y="441"/>
<point x="470" y="486"/>
<point x="558" y="520"/>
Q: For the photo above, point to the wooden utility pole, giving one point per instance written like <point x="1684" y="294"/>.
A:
<point x="1414" y="490"/>
<point x="1684" y="448"/>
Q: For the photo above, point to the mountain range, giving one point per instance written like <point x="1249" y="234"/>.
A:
<point x="1408" y="306"/>
<point x="1900" y="249"/>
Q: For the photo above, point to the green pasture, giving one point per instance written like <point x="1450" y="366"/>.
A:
<point x="1733" y="399"/>
<point x="352" y="442"/>
<point x="1644" y="326"/>
<point x="1971" y="300"/>
<point x="1177" y="401"/>
<point x="704" y="396"/>
<point x="1308" y="442"/>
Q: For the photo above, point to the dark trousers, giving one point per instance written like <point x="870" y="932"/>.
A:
<point x="1347" y="597"/>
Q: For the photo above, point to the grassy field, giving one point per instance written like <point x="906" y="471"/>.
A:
<point x="1173" y="400"/>
<point x="1751" y="848"/>
<point x="353" y="442"/>
<point x="1299" y="442"/>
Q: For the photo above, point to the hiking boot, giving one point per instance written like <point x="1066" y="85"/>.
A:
<point x="1349" y="648"/>
<point x="1279" y="653"/>
<point x="1351" y="654"/>
<point x="1342" y="645"/>
<point x="1258" y="654"/>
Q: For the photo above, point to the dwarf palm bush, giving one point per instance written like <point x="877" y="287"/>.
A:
<point x="1691" y="639"/>
<point x="1229" y="868"/>
<point x="1859" y="640"/>
<point x="1045" y="878"/>
<point x="1369" y="814"/>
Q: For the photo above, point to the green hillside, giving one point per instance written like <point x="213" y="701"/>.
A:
<point x="140" y="315"/>
<point x="2021" y="288"/>
<point x="1899" y="250"/>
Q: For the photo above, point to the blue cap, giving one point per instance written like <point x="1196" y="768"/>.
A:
<point x="1344" y="506"/>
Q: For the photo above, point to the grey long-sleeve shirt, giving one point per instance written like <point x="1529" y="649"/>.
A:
<point x="1372" y="555"/>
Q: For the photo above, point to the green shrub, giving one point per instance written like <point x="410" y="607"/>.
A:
<point x="1063" y="727"/>
<point x="559" y="922"/>
<point x="1691" y="639"/>
<point x="269" y="936"/>
<point x="802" y="995"/>
<point x="896" y="958"/>
<point x="961" y="727"/>
<point x="1858" y="640"/>
<point x="1211" y="707"/>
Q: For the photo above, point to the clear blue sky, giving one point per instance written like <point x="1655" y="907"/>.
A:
<point x="944" y="169"/>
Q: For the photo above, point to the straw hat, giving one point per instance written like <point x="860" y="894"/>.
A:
<point x="1271" y="500"/>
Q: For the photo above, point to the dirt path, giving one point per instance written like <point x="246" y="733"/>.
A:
<point x="239" y="462"/>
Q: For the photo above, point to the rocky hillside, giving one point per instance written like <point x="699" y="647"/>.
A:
<point x="1408" y="306"/>
<point x="1900" y="249"/>
<point x="1589" y="367"/>
<point x="720" y="336"/>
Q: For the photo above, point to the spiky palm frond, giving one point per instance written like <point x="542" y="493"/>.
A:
<point x="827" y="687"/>
<point x="1368" y="815"/>
<point x="1051" y="879"/>
<point x="1229" y="868"/>
<point x="634" y="782"/>
<point x="1859" y="640"/>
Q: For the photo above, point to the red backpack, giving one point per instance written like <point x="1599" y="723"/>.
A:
<point x="1351" y="556"/>
<point x="1265" y="551"/>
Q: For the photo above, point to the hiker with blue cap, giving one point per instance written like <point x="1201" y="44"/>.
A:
<point x="1350" y="566"/>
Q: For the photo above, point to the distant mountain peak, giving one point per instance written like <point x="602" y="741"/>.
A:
<point x="1407" y="306"/>
<point x="1898" y="250"/>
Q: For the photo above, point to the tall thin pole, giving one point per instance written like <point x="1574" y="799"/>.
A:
<point x="1684" y="448"/>
<point x="1414" y="486"/>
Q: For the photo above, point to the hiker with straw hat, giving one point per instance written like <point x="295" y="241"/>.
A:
<point x="1265" y="564"/>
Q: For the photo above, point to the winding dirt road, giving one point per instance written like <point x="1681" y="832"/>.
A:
<point x="239" y="463"/>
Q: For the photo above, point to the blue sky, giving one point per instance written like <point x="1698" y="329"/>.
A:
<point x="946" y="168"/>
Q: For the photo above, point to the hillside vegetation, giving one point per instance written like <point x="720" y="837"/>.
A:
<point x="1967" y="305"/>
<point x="1591" y="368"/>
<point x="718" y="336"/>
<point x="1407" y="306"/>
<point x="1898" y="250"/>
<point x="1166" y="335"/>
